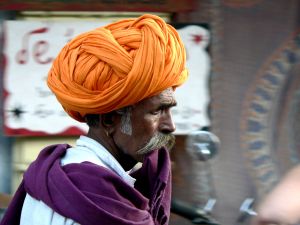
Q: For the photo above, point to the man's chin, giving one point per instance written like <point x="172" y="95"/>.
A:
<point x="140" y="157"/>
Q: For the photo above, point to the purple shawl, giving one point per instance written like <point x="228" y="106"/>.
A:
<point x="93" y="195"/>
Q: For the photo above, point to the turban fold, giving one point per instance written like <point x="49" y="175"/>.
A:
<point x="117" y="65"/>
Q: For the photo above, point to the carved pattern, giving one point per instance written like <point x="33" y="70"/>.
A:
<point x="260" y="110"/>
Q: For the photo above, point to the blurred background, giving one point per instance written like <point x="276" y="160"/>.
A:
<point x="243" y="57"/>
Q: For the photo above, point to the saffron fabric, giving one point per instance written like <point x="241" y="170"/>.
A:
<point x="93" y="195"/>
<point x="117" y="65"/>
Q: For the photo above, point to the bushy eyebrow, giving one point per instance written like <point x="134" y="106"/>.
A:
<point x="166" y="105"/>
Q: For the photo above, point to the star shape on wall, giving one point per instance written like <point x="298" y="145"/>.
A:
<point x="17" y="112"/>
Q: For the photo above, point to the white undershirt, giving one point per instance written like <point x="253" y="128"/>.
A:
<point x="35" y="212"/>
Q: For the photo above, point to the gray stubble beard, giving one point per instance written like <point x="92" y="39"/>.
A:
<point x="156" y="142"/>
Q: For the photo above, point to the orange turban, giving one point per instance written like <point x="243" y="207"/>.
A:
<point x="117" y="65"/>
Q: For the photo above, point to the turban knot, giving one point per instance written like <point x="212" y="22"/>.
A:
<point x="117" y="65"/>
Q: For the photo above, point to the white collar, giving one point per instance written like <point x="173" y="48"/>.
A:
<point x="106" y="157"/>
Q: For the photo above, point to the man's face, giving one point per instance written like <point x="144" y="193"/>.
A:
<point x="150" y="125"/>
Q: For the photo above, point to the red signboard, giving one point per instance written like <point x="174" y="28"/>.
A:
<point x="99" y="5"/>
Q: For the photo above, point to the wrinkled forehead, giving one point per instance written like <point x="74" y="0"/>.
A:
<point x="165" y="98"/>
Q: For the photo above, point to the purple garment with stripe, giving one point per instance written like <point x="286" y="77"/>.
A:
<point x="93" y="195"/>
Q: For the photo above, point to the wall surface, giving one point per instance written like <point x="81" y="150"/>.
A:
<point x="255" y="86"/>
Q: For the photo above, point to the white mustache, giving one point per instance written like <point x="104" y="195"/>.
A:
<point x="156" y="142"/>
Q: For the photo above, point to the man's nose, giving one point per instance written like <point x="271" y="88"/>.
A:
<point x="167" y="124"/>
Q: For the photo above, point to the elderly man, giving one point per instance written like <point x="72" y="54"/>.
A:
<point x="120" y="80"/>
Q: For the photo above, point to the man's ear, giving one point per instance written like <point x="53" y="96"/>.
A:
<point x="108" y="119"/>
<point x="110" y="122"/>
<point x="111" y="119"/>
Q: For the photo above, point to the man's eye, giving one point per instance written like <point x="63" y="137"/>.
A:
<point x="156" y="112"/>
